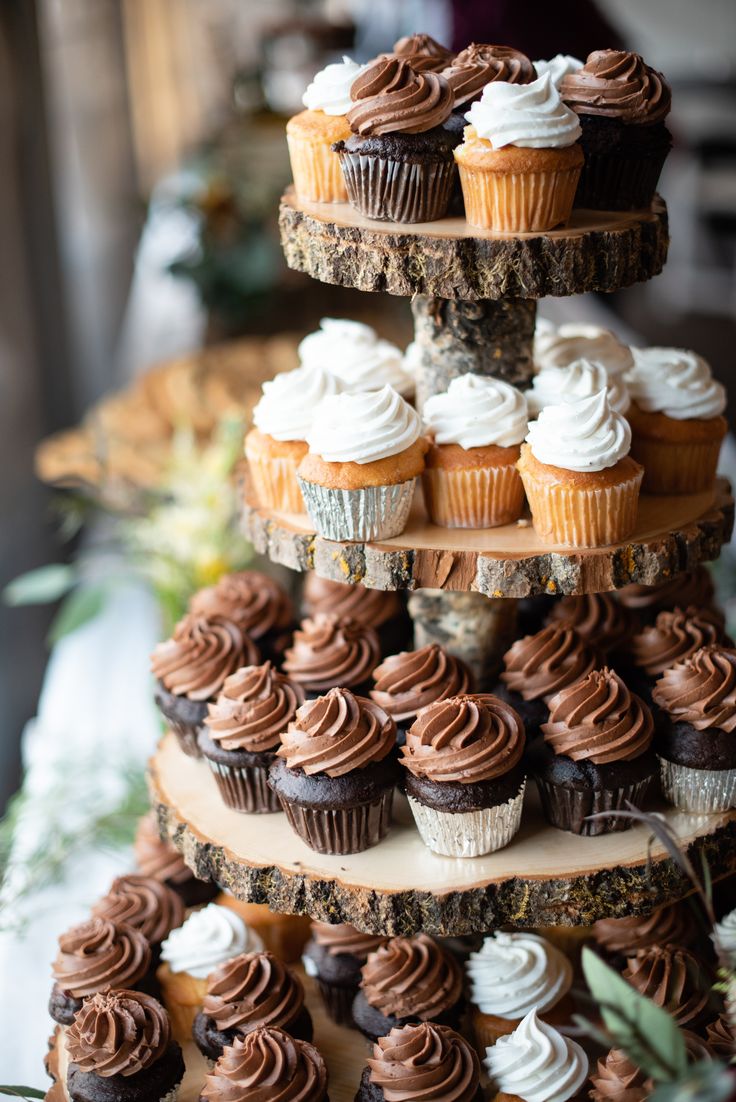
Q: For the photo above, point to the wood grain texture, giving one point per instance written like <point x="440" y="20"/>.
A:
<point x="597" y="251"/>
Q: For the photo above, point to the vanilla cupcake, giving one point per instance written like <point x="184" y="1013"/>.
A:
<point x="579" y="379"/>
<point x="476" y="427"/>
<point x="536" y="1063"/>
<point x="580" y="481"/>
<point x="520" y="160"/>
<point x="310" y="134"/>
<point x="558" y="346"/>
<point x="365" y="453"/>
<point x="276" y="444"/>
<point x="357" y="357"/>
<point x="676" y="420"/>
<point x="558" y="67"/>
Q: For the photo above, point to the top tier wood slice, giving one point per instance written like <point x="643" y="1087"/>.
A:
<point x="597" y="251"/>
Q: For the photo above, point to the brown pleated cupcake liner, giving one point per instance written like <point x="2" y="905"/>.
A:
<point x="699" y="791"/>
<point x="518" y="202"/>
<point x="474" y="497"/>
<point x="614" y="181"/>
<point x="245" y="788"/>
<point x="680" y="468"/>
<point x="567" y="808"/>
<point x="275" y="483"/>
<point x="578" y="517"/>
<point x="338" y="1001"/>
<point x="398" y="191"/>
<point x="370" y="513"/>
<point x="316" y="171"/>
<point x="341" y="830"/>
<point x="468" y="833"/>
<point x="186" y="734"/>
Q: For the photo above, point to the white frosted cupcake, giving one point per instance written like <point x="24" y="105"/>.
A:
<point x="511" y="975"/>
<point x="520" y="160"/>
<point x="579" y="379"/>
<point x="476" y="426"/>
<point x="365" y="453"/>
<point x="357" y="357"/>
<point x="535" y="1063"/>
<point x="724" y="940"/>
<point x="676" y="420"/>
<point x="580" y="481"/>
<point x="560" y="346"/>
<point x="558" y="67"/>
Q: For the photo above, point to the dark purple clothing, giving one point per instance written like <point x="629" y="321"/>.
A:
<point x="539" y="28"/>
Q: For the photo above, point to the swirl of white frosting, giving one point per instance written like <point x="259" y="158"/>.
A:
<point x="357" y="356"/>
<point x="582" y="434"/>
<point x="207" y="938"/>
<point x="576" y="341"/>
<point x="558" y="67"/>
<point x="724" y="939"/>
<point x="675" y="382"/>
<point x="537" y="1063"/>
<point x="286" y="408"/>
<point x="330" y="89"/>
<point x="365" y="427"/>
<point x="528" y="115"/>
<point x="476" y="411"/>
<point x="512" y="974"/>
<point x="579" y="379"/>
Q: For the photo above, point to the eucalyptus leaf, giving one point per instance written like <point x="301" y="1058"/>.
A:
<point x="21" y="1092"/>
<point x="41" y="586"/>
<point x="706" y="1082"/>
<point x="82" y="605"/>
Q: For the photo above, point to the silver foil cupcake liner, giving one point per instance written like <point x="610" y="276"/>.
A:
<point x="700" y="791"/>
<point x="371" y="513"/>
<point x="569" y="808"/>
<point x="245" y="788"/>
<point x="341" y="830"/>
<point x="468" y="833"/>
<point x="398" y="191"/>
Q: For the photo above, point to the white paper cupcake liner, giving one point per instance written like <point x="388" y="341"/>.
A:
<point x="701" y="791"/>
<point x="371" y="513"/>
<point x="468" y="833"/>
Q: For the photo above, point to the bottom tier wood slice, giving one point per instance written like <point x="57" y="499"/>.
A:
<point x="545" y="877"/>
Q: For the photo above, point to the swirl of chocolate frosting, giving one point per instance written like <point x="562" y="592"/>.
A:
<point x="425" y="1061"/>
<point x="464" y="740"/>
<point x="342" y="939"/>
<point x="118" y="1033"/>
<point x="144" y="904"/>
<point x="475" y="66"/>
<point x="618" y="85"/>
<point x="670" y="976"/>
<point x="370" y="607"/>
<point x="414" y="679"/>
<point x="248" y="598"/>
<point x="701" y="690"/>
<point x="618" y="1080"/>
<point x="598" y="619"/>
<point x="158" y="859"/>
<point x="267" y="1066"/>
<point x="673" y="637"/>
<point x="667" y="925"/>
<point x="252" y="990"/>
<point x="391" y="97"/>
<point x="98" y="954"/>
<point x="255" y="705"/>
<point x="597" y="719"/>
<point x="721" y="1037"/>
<point x="412" y="977"/>
<point x="200" y="654"/>
<point x="424" y="53"/>
<point x="538" y="666"/>
<point x="336" y="734"/>
<point x="330" y="650"/>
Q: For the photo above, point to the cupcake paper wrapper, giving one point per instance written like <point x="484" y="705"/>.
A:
<point x="316" y="171"/>
<point x="372" y="513"/>
<point x="186" y="734"/>
<point x="567" y="808"/>
<point x="676" y="468"/>
<point x="341" y="830"/>
<point x="701" y="791"/>
<point x="468" y="833"/>
<point x="583" y="518"/>
<point x="518" y="202"/>
<point x="338" y="1001"/>
<point x="398" y="191"/>
<point x="617" y="182"/>
<point x="275" y="483"/>
<point x="244" y="788"/>
<point x="473" y="498"/>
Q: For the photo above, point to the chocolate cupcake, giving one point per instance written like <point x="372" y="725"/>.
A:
<point x="331" y="651"/>
<point x="623" y="937"/>
<point x="464" y="776"/>
<point x="622" y="104"/>
<point x="163" y="862"/>
<point x="242" y="734"/>
<point x="260" y="607"/>
<point x="121" y="1050"/>
<point x="191" y="668"/>
<point x="267" y="1064"/>
<point x="697" y="751"/>
<point x="599" y="619"/>
<point x="407" y="682"/>
<point x="478" y="65"/>
<point x="616" y="1079"/>
<point x="421" y="1061"/>
<point x="93" y="956"/>
<point x="538" y="666"/>
<point x="398" y="164"/>
<point x="595" y="757"/>
<point x="383" y="611"/>
<point x="250" y="992"/>
<point x="721" y="1038"/>
<point x="673" y="637"/>
<point x="334" y="956"/>
<point x="691" y="587"/>
<point x="144" y="904"/>
<point x="675" y="979"/>
<point x="336" y="774"/>
<point x="410" y="979"/>
<point x="424" y="53"/>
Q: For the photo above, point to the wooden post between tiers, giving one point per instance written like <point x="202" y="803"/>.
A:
<point x="473" y="627"/>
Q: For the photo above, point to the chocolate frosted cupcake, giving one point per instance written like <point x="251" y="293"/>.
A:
<point x="331" y="651"/>
<point x="464" y="778"/>
<point x="398" y="164"/>
<point x="697" y="751"/>
<point x="410" y="979"/>
<point x="255" y="602"/>
<point x="93" y="956"/>
<point x="164" y="863"/>
<point x="598" y="618"/>
<point x="383" y="611"/>
<point x="121" y="1050"/>
<point x="623" y="937"/>
<point x="242" y="734"/>
<point x="144" y="904"/>
<point x="267" y="1064"/>
<point x="336" y="776"/>
<point x="409" y="681"/>
<point x="616" y="1079"/>
<point x="334" y="956"/>
<point x="421" y="1061"/>
<point x="675" y="979"/>
<point x="691" y="587"/>
<point x="191" y="668"/>
<point x="622" y="104"/>
<point x="672" y="638"/>
<point x="248" y="993"/>
<point x="538" y="666"/>
<point x="424" y="53"/>
<point x="595" y="757"/>
<point x="721" y="1038"/>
